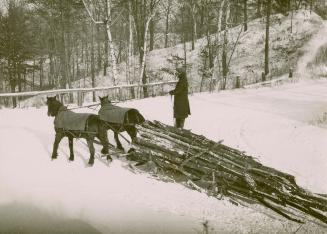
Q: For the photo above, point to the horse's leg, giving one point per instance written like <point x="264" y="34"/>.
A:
<point x="132" y="132"/>
<point x="103" y="137"/>
<point x="58" y="138"/>
<point x="71" y="148"/>
<point x="91" y="148"/>
<point x="119" y="146"/>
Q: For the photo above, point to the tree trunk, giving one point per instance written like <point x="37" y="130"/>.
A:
<point x="151" y="33"/>
<point x="291" y="19"/>
<point x="142" y="73"/>
<point x="225" y="43"/>
<point x="184" y="39"/>
<point x="86" y="60"/>
<point x="18" y="75"/>
<point x="77" y="63"/>
<point x="203" y="12"/>
<point x="130" y="49"/>
<point x="106" y="60"/>
<point x="268" y="9"/>
<point x="24" y="74"/>
<point x="92" y="62"/>
<point x="41" y="74"/>
<point x="63" y="59"/>
<point x="218" y="41"/>
<point x="99" y="60"/>
<point x="13" y="90"/>
<point x="245" y="15"/>
<point x="33" y="73"/>
<point x="110" y="43"/>
<point x="194" y="36"/>
<point x="259" y="3"/>
<point x="167" y="23"/>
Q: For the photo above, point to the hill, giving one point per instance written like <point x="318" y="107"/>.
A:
<point x="248" y="58"/>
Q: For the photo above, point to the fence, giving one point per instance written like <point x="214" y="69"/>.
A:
<point x="80" y="95"/>
<point x="269" y="83"/>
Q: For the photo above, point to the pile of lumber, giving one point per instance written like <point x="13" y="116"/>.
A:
<point x="221" y="171"/>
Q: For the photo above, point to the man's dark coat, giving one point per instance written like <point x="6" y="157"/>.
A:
<point x="181" y="103"/>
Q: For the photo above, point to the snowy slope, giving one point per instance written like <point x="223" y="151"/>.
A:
<point x="281" y="126"/>
<point x="248" y="58"/>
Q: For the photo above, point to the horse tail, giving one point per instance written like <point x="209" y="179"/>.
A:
<point x="93" y="123"/>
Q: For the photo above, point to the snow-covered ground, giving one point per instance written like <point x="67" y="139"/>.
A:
<point x="282" y="126"/>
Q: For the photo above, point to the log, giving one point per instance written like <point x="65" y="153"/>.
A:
<point x="217" y="169"/>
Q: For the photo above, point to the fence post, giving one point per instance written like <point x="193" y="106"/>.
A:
<point x="17" y="101"/>
<point x="120" y="94"/>
<point x="238" y="84"/>
<point x="80" y="98"/>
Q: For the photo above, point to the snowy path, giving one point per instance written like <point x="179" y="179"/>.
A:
<point x="281" y="126"/>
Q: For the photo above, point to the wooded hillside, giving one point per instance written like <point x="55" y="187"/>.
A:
<point x="47" y="44"/>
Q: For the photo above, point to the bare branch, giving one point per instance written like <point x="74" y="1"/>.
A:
<point x="90" y="14"/>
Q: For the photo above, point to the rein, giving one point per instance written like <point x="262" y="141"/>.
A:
<point x="89" y="106"/>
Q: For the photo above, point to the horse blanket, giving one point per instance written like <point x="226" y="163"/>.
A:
<point x="119" y="115"/>
<point x="69" y="120"/>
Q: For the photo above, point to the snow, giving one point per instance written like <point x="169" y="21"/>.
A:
<point x="310" y="50"/>
<point x="277" y="125"/>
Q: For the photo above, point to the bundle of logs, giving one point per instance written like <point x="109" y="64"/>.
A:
<point x="221" y="171"/>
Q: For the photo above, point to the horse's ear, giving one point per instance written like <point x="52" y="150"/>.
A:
<point x="101" y="98"/>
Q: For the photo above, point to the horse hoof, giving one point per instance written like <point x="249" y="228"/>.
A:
<point x="120" y="147"/>
<point x="104" y="151"/>
<point x="71" y="158"/>
<point x="53" y="157"/>
<point x="109" y="158"/>
<point x="131" y="150"/>
<point x="91" y="162"/>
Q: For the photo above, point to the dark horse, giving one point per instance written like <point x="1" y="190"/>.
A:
<point x="76" y="125"/>
<point x="119" y="119"/>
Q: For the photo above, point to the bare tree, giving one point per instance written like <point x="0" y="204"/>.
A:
<point x="192" y="5"/>
<point x="224" y="27"/>
<point x="167" y="7"/>
<point x="107" y="23"/>
<point x="268" y="10"/>
<point x="245" y="10"/>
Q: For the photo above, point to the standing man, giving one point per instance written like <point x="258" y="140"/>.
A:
<point x="181" y="103"/>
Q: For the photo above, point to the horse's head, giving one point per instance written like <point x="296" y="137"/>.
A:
<point x="53" y="106"/>
<point x="104" y="100"/>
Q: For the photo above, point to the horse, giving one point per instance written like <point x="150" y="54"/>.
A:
<point x="77" y="125"/>
<point x="119" y="119"/>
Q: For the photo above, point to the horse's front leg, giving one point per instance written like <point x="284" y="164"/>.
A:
<point x="118" y="143"/>
<point x="103" y="137"/>
<point x="132" y="132"/>
<point x="58" y="138"/>
<point x="91" y="148"/>
<point x="71" y="148"/>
